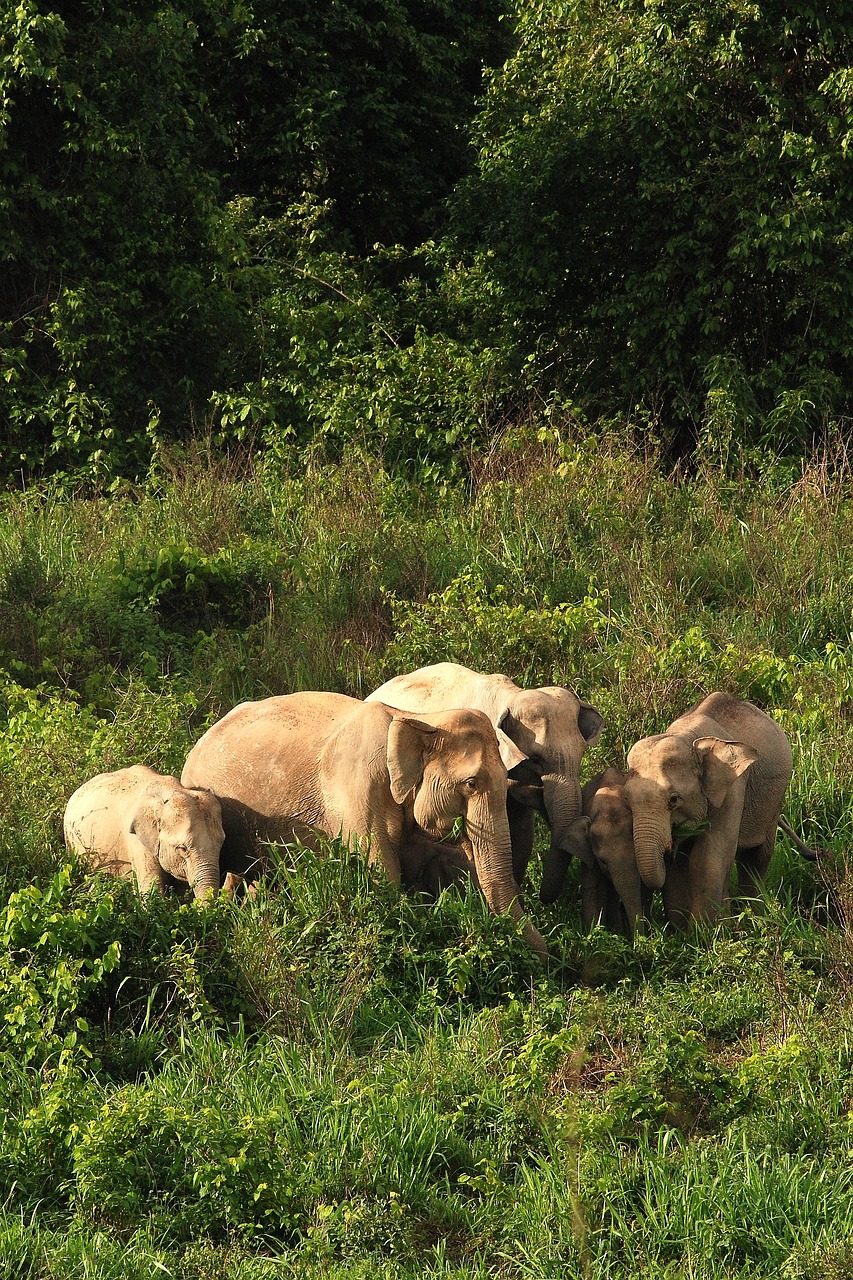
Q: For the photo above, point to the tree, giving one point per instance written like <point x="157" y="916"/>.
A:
<point x="108" y="320"/>
<point x="664" y="198"/>
<point x="364" y="103"/>
<point x="131" y="130"/>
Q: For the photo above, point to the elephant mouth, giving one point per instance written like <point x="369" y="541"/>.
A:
<point x="689" y="830"/>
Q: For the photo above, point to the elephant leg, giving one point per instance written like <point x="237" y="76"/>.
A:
<point x="615" y="915"/>
<point x="150" y="880"/>
<point x="522" y="829"/>
<point x="147" y="870"/>
<point x="711" y="861"/>
<point x="752" y="865"/>
<point x="240" y="855"/>
<point x="594" y="896"/>
<point x="380" y="854"/>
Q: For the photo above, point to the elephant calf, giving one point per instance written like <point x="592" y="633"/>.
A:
<point x="429" y="866"/>
<point x="136" y="822"/>
<point x="612" y="892"/>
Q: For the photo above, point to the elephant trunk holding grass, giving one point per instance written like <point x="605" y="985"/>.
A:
<point x="551" y="726"/>
<point x="136" y="822"/>
<point x="710" y="788"/>
<point x="287" y="767"/>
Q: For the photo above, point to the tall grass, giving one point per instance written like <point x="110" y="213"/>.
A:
<point x="332" y="1079"/>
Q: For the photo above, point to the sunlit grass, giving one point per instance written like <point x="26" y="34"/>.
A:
<point x="334" y="1079"/>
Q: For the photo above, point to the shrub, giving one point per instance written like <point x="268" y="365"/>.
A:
<point x="488" y="630"/>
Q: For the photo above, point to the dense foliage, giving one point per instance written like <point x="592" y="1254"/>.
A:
<point x="663" y="192"/>
<point x="127" y="134"/>
<point x="108" y="315"/>
<point x="337" y="1080"/>
<point x="321" y="223"/>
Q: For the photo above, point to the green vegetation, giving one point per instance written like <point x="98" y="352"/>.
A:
<point x="335" y="340"/>
<point x="333" y="1079"/>
<point x="407" y="224"/>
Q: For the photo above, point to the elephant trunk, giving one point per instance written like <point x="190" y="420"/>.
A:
<point x="652" y="839"/>
<point x="205" y="881"/>
<point x="555" y="867"/>
<point x="491" y="847"/>
<point x="629" y="889"/>
<point x="561" y="795"/>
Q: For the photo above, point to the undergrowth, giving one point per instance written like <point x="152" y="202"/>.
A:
<point x="336" y="1080"/>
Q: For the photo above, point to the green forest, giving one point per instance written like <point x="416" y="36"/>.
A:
<point x="341" y="339"/>
<point x="406" y="226"/>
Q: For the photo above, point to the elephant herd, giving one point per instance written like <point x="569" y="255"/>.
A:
<point x="394" y="773"/>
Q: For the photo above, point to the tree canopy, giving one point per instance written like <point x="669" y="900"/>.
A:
<point x="401" y="222"/>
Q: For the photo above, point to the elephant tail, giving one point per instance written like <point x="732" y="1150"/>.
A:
<point x="811" y="854"/>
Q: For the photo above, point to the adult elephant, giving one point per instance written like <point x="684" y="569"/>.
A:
<point x="708" y="790"/>
<point x="612" y="892"/>
<point x="287" y="767"/>
<point x="551" y="726"/>
<point x="137" y="822"/>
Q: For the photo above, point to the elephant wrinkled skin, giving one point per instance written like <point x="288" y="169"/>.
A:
<point x="287" y="767"/>
<point x="711" y="789"/>
<point x="551" y="726"/>
<point x="136" y="822"/>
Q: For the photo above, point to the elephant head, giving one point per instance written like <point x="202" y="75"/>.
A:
<point x="553" y="728"/>
<point x="182" y="828"/>
<point x="675" y="781"/>
<point x="451" y="767"/>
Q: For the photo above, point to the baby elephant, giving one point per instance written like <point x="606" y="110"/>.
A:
<point x="136" y="822"/>
<point x="428" y="865"/>
<point x="612" y="892"/>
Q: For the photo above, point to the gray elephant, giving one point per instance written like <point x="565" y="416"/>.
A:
<point x="612" y="892"/>
<point x="137" y="822"/>
<point x="704" y="793"/>
<point x="551" y="726"/>
<point x="305" y="763"/>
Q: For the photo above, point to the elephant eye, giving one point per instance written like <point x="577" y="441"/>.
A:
<point x="471" y="784"/>
<point x="673" y="800"/>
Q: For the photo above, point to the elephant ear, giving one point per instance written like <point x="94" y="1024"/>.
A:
<point x="408" y="742"/>
<point x="145" y="823"/>
<point x="506" y="728"/>
<point x="722" y="762"/>
<point x="577" y="841"/>
<point x="590" y="723"/>
<point x="511" y="755"/>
